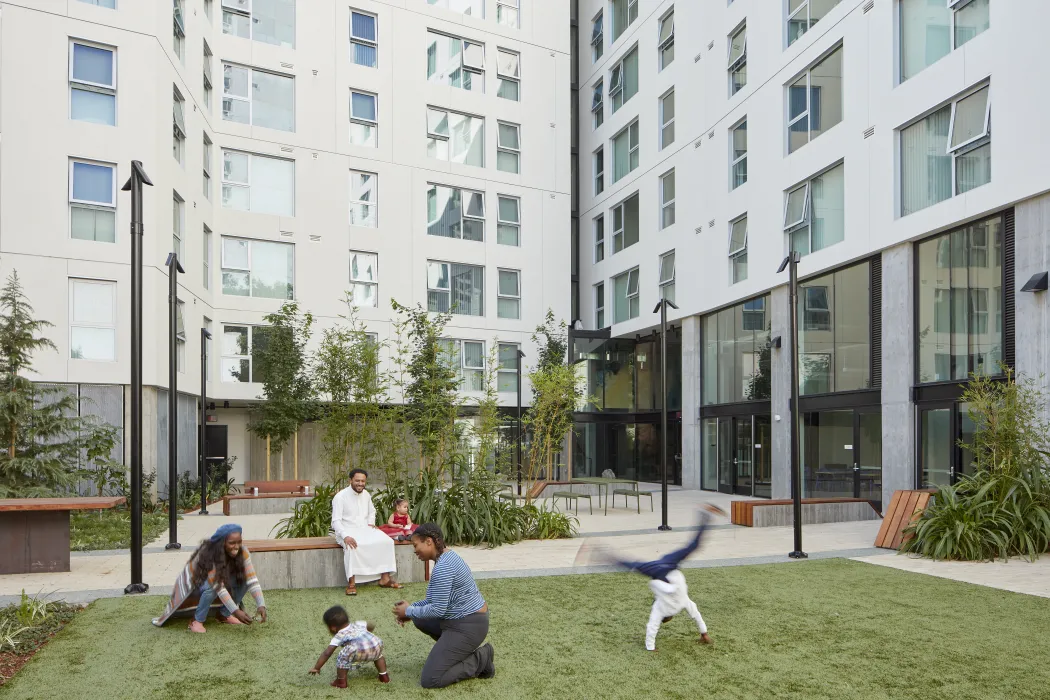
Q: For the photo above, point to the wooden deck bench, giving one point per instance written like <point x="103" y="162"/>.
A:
<point x="905" y="508"/>
<point x="34" y="532"/>
<point x="780" y="512"/>
<point x="297" y="486"/>
<point x="317" y="562"/>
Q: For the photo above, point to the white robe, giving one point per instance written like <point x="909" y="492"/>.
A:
<point x="352" y="516"/>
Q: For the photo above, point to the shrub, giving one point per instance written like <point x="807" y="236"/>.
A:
<point x="310" y="518"/>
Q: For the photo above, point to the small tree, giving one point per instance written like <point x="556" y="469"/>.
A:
<point x="1011" y="429"/>
<point x="489" y="420"/>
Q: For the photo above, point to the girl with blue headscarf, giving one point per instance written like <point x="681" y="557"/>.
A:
<point x="220" y="569"/>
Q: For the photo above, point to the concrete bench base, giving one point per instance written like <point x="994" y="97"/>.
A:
<point x="814" y="514"/>
<point x="260" y="505"/>
<point x="323" y="568"/>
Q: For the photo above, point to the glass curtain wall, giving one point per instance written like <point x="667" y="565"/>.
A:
<point x="834" y="332"/>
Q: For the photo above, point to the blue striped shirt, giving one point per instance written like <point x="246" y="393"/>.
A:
<point x="451" y="593"/>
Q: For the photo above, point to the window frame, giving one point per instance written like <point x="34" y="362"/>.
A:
<point x="206" y="70"/>
<point x="629" y="296"/>
<point x="514" y="7"/>
<point x="249" y="99"/>
<point x="178" y="15"/>
<point x="501" y="222"/>
<point x="503" y="370"/>
<point x="372" y="204"/>
<point x="740" y="251"/>
<point x="464" y="193"/>
<point x="501" y="295"/>
<point x="206" y="157"/>
<point x="666" y="124"/>
<point x="806" y="218"/>
<point x="735" y="160"/>
<point x="616" y="88"/>
<point x="662" y="45"/>
<point x="735" y="64"/>
<point x="598" y="227"/>
<point x="362" y="282"/>
<point x="250" y="329"/>
<point x="501" y="76"/>
<point x="500" y="148"/>
<point x="251" y="254"/>
<point x="179" y="223"/>
<point x="598" y="36"/>
<point x="89" y="205"/>
<point x="598" y="104"/>
<point x="631" y="12"/>
<point x="986" y="132"/>
<point x="363" y="41"/>
<point x="599" y="305"/>
<point x="808" y="111"/>
<point x="663" y="282"/>
<point x="622" y="204"/>
<point x="664" y="202"/>
<point x="248" y="185"/>
<point x="247" y="10"/>
<point x="447" y="137"/>
<point x="73" y="323"/>
<point x="631" y="129"/>
<point x="88" y="85"/>
<point x="178" y="120"/>
<point x="476" y="70"/>
<point x="206" y="258"/>
<point x="373" y="124"/>
<point x="953" y="7"/>
<point x="448" y="290"/>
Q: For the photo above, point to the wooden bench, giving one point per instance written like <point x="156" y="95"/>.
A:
<point x="814" y="511"/>
<point x="317" y="562"/>
<point x="34" y="532"/>
<point x="905" y="508"/>
<point x="297" y="486"/>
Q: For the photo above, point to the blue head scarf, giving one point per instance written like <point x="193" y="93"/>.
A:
<point x="225" y="531"/>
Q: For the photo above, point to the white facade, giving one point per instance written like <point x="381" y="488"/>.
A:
<point x="298" y="107"/>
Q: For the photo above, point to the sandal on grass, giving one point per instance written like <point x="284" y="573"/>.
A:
<point x="351" y="589"/>
<point x="393" y="584"/>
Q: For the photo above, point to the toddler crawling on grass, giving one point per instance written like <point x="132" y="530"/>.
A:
<point x="356" y="644"/>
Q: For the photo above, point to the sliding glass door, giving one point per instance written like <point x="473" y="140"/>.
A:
<point x="842" y="454"/>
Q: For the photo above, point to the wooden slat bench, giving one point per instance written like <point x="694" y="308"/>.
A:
<point x="814" y="511"/>
<point x="905" y="508"/>
<point x="317" y="562"/>
<point x="297" y="486"/>
<point x="34" y="532"/>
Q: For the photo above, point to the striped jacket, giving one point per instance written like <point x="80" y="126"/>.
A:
<point x="451" y="593"/>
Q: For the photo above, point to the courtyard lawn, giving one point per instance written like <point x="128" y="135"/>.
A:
<point x="824" y="629"/>
<point x="111" y="529"/>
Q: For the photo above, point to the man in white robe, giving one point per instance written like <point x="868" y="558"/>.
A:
<point x="368" y="553"/>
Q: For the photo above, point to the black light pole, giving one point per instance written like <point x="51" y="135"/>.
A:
<point x="203" y="466"/>
<point x="662" y="308"/>
<point x="791" y="262"/>
<point x="134" y="185"/>
<point x="520" y="357"/>
<point x="174" y="268"/>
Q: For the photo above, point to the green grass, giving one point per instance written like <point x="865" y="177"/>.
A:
<point x="111" y="529"/>
<point x="830" y="629"/>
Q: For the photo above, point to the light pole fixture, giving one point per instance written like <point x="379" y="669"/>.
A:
<point x="203" y="456"/>
<point x="791" y="263"/>
<point x="174" y="268"/>
<point x="662" y="308"/>
<point x="518" y="358"/>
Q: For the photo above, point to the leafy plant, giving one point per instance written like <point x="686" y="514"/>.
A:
<point x="9" y="632"/>
<point x="548" y="524"/>
<point x="310" y="518"/>
<point x="30" y="608"/>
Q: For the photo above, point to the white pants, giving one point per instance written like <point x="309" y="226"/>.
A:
<point x="672" y="597"/>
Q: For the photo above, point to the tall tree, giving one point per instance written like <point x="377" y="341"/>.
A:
<point x="556" y="391"/>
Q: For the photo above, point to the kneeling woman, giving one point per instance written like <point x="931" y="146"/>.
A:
<point x="220" y="568"/>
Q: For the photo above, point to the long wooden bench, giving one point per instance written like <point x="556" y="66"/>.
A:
<point x="905" y="508"/>
<point x="296" y="486"/>
<point x="814" y="511"/>
<point x="317" y="562"/>
<point x="263" y="504"/>
<point x="34" y="532"/>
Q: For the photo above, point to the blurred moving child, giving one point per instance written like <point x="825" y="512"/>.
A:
<point x="356" y="644"/>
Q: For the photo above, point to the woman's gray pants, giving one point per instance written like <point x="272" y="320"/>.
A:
<point x="456" y="656"/>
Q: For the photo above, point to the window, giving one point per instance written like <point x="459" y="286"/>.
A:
<point x="667" y="199"/>
<point x="508" y="221"/>
<point x="815" y="101"/>
<point x="625" y="296"/>
<point x="206" y="322"/>
<point x="947" y="152"/>
<point x="814" y="216"/>
<point x="507" y="12"/>
<point x="599" y="171"/>
<point x="239" y="346"/>
<point x="456" y="62"/>
<point x="467" y="359"/>
<point x="599" y="239"/>
<point x="816" y="312"/>
<point x="667" y="276"/>
<point x="455" y="288"/>
<point x="207" y="76"/>
<point x="599" y="306"/>
<point x="364" y="278"/>
<point x="929" y="31"/>
<point x="455" y="213"/>
<point x="207" y="9"/>
<point x="364" y="199"/>
<point x="111" y="4"/>
<point x="666" y="39"/>
<point x="259" y="184"/>
<point x="92" y="201"/>
<point x="266" y="21"/>
<point x="251" y="96"/>
<point x="598" y="104"/>
<point x="472" y="8"/>
<point x="179" y="30"/>
<point x="625" y="151"/>
<point x="177" y="223"/>
<point x="597" y="38"/>
<point x="736" y="353"/>
<point x="738" y="250"/>
<point x="92" y="320"/>
<point x="92" y="83"/>
<point x="363" y="39"/>
<point x="754" y="315"/>
<point x="180" y="337"/>
<point x="206" y="182"/>
<point x="508" y="147"/>
<point x="508" y="70"/>
<point x="456" y="137"/>
<point x="624" y="12"/>
<point x="508" y="301"/>
<point x="509" y="367"/>
<point x="835" y="330"/>
<point x="206" y="259"/>
<point x="364" y="119"/>
<point x="261" y="269"/>
<point x="738" y="60"/>
<point x="625" y="223"/>
<point x="623" y="79"/>
<point x="667" y="120"/>
<point x="803" y="14"/>
<point x="738" y="155"/>
<point x="178" y="119"/>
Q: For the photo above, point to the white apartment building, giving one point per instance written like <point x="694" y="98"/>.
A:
<point x="716" y="136"/>
<point x="298" y="149"/>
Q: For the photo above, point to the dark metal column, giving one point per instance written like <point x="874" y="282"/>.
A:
<point x="203" y="457"/>
<point x="791" y="262"/>
<point x="662" y="308"/>
<point x="519" y="358"/>
<point x="174" y="268"/>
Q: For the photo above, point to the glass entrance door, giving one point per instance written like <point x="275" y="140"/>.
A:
<point x="842" y="454"/>
<point x="763" y="450"/>
<point x="942" y="460"/>
<point x="726" y="454"/>
<point x="743" y="455"/>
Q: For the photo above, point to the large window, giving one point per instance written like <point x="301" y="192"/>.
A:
<point x="738" y="250"/>
<point x="929" y="31"/>
<point x="92" y="320"/>
<point x="457" y="288"/>
<point x="597" y="37"/>
<point x="737" y="360"/>
<point x="364" y="278"/>
<point x="178" y="207"/>
<point x="179" y="29"/>
<point x="207" y="76"/>
<point x="667" y="119"/>
<point x="261" y="269"/>
<point x="834" y="331"/>
<point x="667" y="215"/>
<point x="364" y="119"/>
<point x="599" y="171"/>
<point x="738" y="155"/>
<point x="623" y="79"/>
<point x="814" y="214"/>
<point x="625" y="296"/>
<point x="259" y="98"/>
<point x="508" y="147"/>
<point x="508" y="301"/>
<point x="363" y="39"/>
<point x="456" y="137"/>
<point x="508" y="70"/>
<point x="599" y="239"/>
<point x="456" y="62"/>
<point x="92" y="201"/>
<point x="259" y="184"/>
<point x="467" y="358"/>
<point x="738" y="60"/>
<point x="666" y="39"/>
<point x="206" y="158"/>
<point x="961" y="303"/>
<point x="267" y="21"/>
<point x="364" y="199"/>
<point x="92" y="83"/>
<point x="599" y="305"/>
<point x="815" y="101"/>
<point x="508" y="221"/>
<point x="240" y="344"/>
<point x="667" y="276"/>
<point x="625" y="223"/>
<point x="948" y="152"/>
<point x="509" y="367"/>
<point x="624" y="13"/>
<point x="507" y="12"/>
<point x="473" y="8"/>
<point x="178" y="118"/>
<point x="598" y="104"/>
<point x="625" y="151"/>
<point x="803" y="14"/>
<point x="455" y="213"/>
